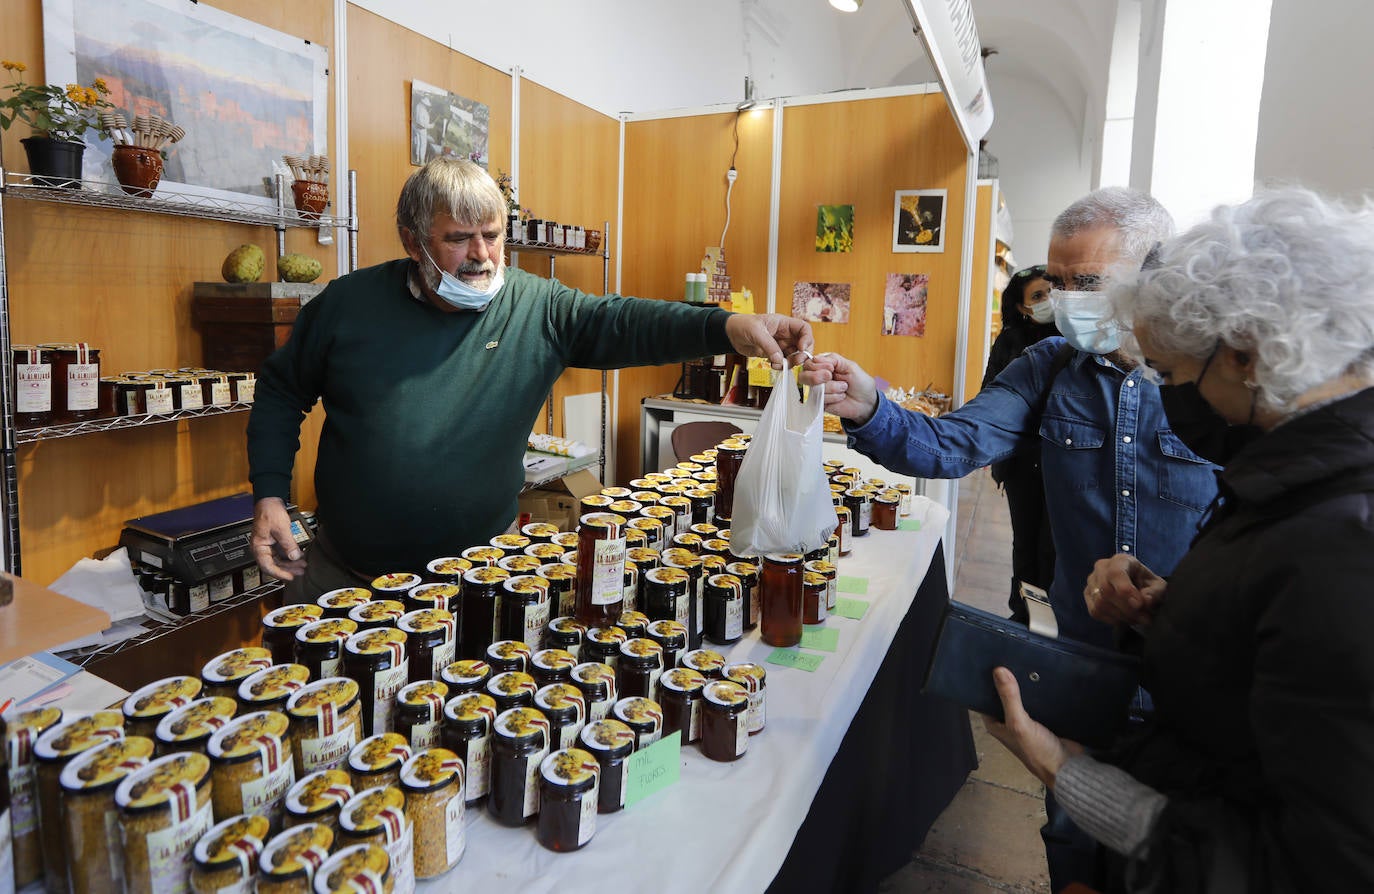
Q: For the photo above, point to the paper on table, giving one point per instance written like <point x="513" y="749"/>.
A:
<point x="81" y="693"/>
<point x="107" y="584"/>
<point x="653" y="769"/>
<point x="824" y="639"/>
<point x="850" y="608"/>
<point x="799" y="660"/>
<point x="858" y="585"/>
<point x="25" y="677"/>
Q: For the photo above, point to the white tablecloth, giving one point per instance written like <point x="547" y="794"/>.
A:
<point x="728" y="827"/>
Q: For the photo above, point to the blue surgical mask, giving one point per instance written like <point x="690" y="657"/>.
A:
<point x="1043" y="312"/>
<point x="459" y="294"/>
<point x="1084" y="319"/>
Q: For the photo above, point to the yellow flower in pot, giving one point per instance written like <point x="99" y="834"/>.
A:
<point x="59" y="115"/>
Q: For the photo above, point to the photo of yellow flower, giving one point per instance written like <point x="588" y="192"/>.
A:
<point x="835" y="228"/>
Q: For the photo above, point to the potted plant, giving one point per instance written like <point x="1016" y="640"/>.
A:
<point x="59" y="116"/>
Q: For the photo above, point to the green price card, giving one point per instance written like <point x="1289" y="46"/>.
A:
<point x="856" y="585"/>
<point x="820" y="638"/>
<point x="850" y="608"/>
<point x="799" y="660"/>
<point x="653" y="769"/>
<point x="909" y="524"/>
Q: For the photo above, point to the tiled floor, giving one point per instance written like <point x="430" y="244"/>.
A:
<point x="988" y="839"/>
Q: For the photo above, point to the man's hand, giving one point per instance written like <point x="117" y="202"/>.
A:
<point x="1034" y="745"/>
<point x="850" y="393"/>
<point x="1121" y="590"/>
<point x="769" y="335"/>
<point x="275" y="549"/>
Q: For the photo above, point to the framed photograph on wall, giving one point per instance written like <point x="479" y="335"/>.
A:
<point x="918" y="220"/>
<point x="446" y="125"/>
<point x="245" y="94"/>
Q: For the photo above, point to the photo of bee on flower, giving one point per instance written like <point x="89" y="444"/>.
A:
<point x="835" y="228"/>
<point x="918" y="220"/>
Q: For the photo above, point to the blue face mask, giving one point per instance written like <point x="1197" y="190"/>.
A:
<point x="1084" y="318"/>
<point x="459" y="294"/>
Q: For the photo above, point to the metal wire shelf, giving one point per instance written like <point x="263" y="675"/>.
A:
<point x="88" y="427"/>
<point x="548" y="248"/>
<point x="167" y="200"/>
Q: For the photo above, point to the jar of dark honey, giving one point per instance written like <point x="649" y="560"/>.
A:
<point x="600" y="569"/>
<point x="630" y="590"/>
<point x="705" y="530"/>
<point x="436" y="595"/>
<point x="510" y="544"/>
<point x="860" y="508"/>
<point x="468" y="721"/>
<point x="466" y="675"/>
<point x="546" y="553"/>
<point x="319" y="646"/>
<point x="33" y="383"/>
<point x="885" y="506"/>
<point x="603" y="644"/>
<point x="75" y="382"/>
<point x="646" y="497"/>
<point x="477" y="610"/>
<point x="703" y="505"/>
<point x="729" y="455"/>
<point x="279" y="628"/>
<point x="672" y="636"/>
<point x="512" y="689"/>
<point x="780" y="610"/>
<point x="644" y="716"/>
<point x="338" y="603"/>
<point x="641" y="664"/>
<point x="707" y="662"/>
<point x="748" y="575"/>
<point x="431" y="638"/>
<point x="633" y="623"/>
<point x="814" y="594"/>
<point x="519" y="743"/>
<point x="562" y="578"/>
<point x="568" y="799"/>
<point x="549" y="666"/>
<point x="611" y="743"/>
<point x="666" y="595"/>
<point x="845" y="529"/>
<point x="377" y="613"/>
<point x="643" y="560"/>
<point x="692" y="564"/>
<point x="566" y="539"/>
<point x="595" y="503"/>
<point x="539" y="532"/>
<point x="688" y="540"/>
<point x="754" y="679"/>
<point x="508" y="655"/>
<point x="651" y="529"/>
<point x="680" y="696"/>
<point x="482" y="555"/>
<point x="420" y="713"/>
<point x="724" y="721"/>
<point x="377" y="661"/>
<point x="564" y="708"/>
<point x="724" y="609"/>
<point x="565" y="634"/>
<point x="667" y="516"/>
<point x="830" y="572"/>
<point x="523" y="609"/>
<point x="596" y="681"/>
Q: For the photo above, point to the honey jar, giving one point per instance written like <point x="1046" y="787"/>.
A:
<point x="780" y="616"/>
<point x="755" y="681"/>
<point x="420" y="713"/>
<point x="279" y="628"/>
<point x="467" y="730"/>
<point x="680" y="696"/>
<point x="670" y="635"/>
<point x="252" y="767"/>
<point x="747" y="573"/>
<point x="640" y="666"/>
<point x="448" y="570"/>
<point x="325" y="723"/>
<point x="724" y="721"/>
<point x="222" y="674"/>
<point x="523" y="609"/>
<point x="319" y="646"/>
<point x="519" y="743"/>
<point x="724" y="609"/>
<point x="466" y="675"/>
<point x="338" y="603"/>
<point x="603" y="644"/>
<point x="597" y="683"/>
<point x="316" y="799"/>
<point x="431" y="638"/>
<point x="549" y="666"/>
<point x="564" y="708"/>
<point x="431" y="596"/>
<point x="432" y="782"/>
<point x="562" y="578"/>
<point x="568" y="799"/>
<point x="611" y="743"/>
<point x="377" y="660"/>
<point x="509" y="655"/>
<point x="814" y="590"/>
<point x="565" y="633"/>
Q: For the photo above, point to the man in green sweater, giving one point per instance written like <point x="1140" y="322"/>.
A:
<point x="433" y="369"/>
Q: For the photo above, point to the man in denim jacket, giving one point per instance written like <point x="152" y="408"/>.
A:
<point x="1117" y="480"/>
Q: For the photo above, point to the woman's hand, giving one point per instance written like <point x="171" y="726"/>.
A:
<point x="1121" y="590"/>
<point x="850" y="393"/>
<point x="1034" y="745"/>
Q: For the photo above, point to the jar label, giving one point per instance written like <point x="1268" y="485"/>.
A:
<point x="34" y="386"/>
<point x="402" y="855"/>
<point x="654" y="676"/>
<point x="755" y="598"/>
<point x="478" y="761"/>
<point x="114" y="847"/>
<point x="536" y="619"/>
<point x="734" y="618"/>
<point x="219" y="394"/>
<point x="608" y="572"/>
<point x="624" y="780"/>
<point x="682" y="607"/>
<point x="191" y="397"/>
<point x="264" y="794"/>
<point x="821" y="600"/>
<point x="424" y="735"/>
<point x="221" y="588"/>
<point x="756" y="711"/>
<point x="567" y="603"/>
<point x="598" y="710"/>
<point x="865" y="514"/>
<point x="252" y="577"/>
<point x="385" y="685"/>
<point x="649" y="738"/>
<point x="328" y="751"/>
<point x="694" y="721"/>
<point x="443" y="655"/>
<point x="567" y="734"/>
<point x="832" y="593"/>
<point x="630" y="593"/>
<point x="700" y="622"/>
<point x="25" y="815"/>
<point x="741" y="735"/>
<point x="158" y="400"/>
<point x="83" y="386"/>
<point x="455" y="837"/>
<point x="199" y="597"/>
<point x="904" y="506"/>
<point x="532" y="781"/>
<point x="330" y="667"/>
<point x="169" y="852"/>
<point x="586" y="821"/>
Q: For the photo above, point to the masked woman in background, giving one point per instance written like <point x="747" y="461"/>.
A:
<point x="1256" y="772"/>
<point x="1027" y="317"/>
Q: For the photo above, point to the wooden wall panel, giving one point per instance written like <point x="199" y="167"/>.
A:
<point x="675" y="208"/>
<point x="122" y="281"/>
<point x="981" y="290"/>
<point x="569" y="161"/>
<point x="859" y="153"/>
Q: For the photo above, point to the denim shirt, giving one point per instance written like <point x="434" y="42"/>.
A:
<point x="1116" y="478"/>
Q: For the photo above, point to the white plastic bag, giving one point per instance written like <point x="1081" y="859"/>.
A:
<point x="782" y="500"/>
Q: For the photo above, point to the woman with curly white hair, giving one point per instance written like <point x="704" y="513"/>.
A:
<point x="1256" y="772"/>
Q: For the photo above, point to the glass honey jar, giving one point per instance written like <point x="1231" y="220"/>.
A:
<point x="596" y="681"/>
<point x="611" y="743"/>
<point x="780" y="615"/>
<point x="600" y="569"/>
<point x="562" y="578"/>
<point x="724" y="721"/>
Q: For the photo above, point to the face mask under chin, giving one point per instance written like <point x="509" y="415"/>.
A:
<point x="457" y="293"/>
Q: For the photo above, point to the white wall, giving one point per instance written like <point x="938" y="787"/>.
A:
<point x="1315" y="126"/>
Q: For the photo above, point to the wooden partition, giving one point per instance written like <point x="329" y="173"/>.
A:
<point x="980" y="292"/>
<point x="674" y="208"/>
<point x="122" y="282"/>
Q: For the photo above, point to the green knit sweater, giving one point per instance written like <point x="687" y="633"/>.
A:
<point x="427" y="412"/>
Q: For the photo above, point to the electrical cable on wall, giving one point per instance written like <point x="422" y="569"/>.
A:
<point x="730" y="176"/>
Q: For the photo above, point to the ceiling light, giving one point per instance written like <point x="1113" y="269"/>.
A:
<point x="847" y="5"/>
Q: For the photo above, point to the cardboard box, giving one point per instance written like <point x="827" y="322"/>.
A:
<point x="558" y="502"/>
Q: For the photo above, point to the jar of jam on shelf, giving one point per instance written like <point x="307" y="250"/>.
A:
<point x="566" y="711"/>
<point x="724" y="721"/>
<point x="562" y="578"/>
<point x="814" y="590"/>
<point x="279" y="628"/>
<point x="509" y="655"/>
<point x="431" y="638"/>
<point x="569" y="794"/>
<point x="75" y="382"/>
<point x="600" y="569"/>
<point x="780" y="616"/>
<point x="596" y="681"/>
<point x="603" y="644"/>
<point x="885" y="507"/>
<point x="466" y="675"/>
<point x="420" y="713"/>
<point x="316" y="798"/>
<point x="377" y="613"/>
<point x="519" y="743"/>
<point x="710" y="664"/>
<point x="635" y="624"/>
<point x="670" y="635"/>
<point x="523" y="609"/>
<point x="640" y="666"/>
<point x="320" y="645"/>
<point x="860" y="506"/>
<point x="222" y="674"/>
<point x="448" y="570"/>
<point x="747" y="573"/>
<point x="680" y="696"/>
<point x="477" y="610"/>
<point x="468" y="721"/>
<point x="338" y="603"/>
<point x="377" y="760"/>
<point x="432" y="782"/>
<point x="549" y="666"/>
<point x="436" y="595"/>
<point x="565" y="633"/>
<point x="610" y="743"/>
<point x="377" y="660"/>
<point x="755" y="681"/>
<point x="724" y="609"/>
<point x="33" y="386"/>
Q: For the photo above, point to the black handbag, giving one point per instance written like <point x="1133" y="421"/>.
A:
<point x="1080" y="691"/>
